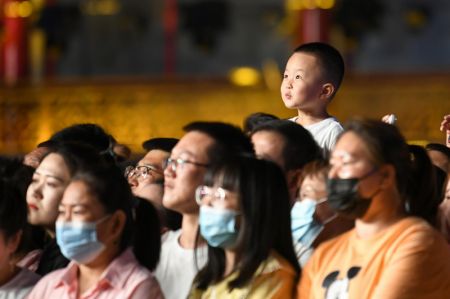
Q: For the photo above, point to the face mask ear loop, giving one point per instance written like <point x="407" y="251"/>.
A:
<point x="330" y="219"/>
<point x="102" y="219"/>
<point x="323" y="200"/>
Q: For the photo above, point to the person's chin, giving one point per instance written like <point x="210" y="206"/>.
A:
<point x="168" y="200"/>
<point x="290" y="105"/>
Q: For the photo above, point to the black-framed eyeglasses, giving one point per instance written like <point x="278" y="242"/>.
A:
<point x="174" y="163"/>
<point x="142" y="171"/>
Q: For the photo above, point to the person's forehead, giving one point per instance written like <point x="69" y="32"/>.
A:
<point x="269" y="145"/>
<point x="194" y="143"/>
<point x="301" y="60"/>
<point x="54" y="165"/>
<point x="154" y="157"/>
<point x="438" y="155"/>
<point x="314" y="180"/>
<point x="77" y="192"/>
<point x="268" y="136"/>
<point x="349" y="146"/>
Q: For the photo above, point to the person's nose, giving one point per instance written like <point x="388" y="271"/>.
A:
<point x="133" y="182"/>
<point x="37" y="190"/>
<point x="289" y="83"/>
<point x="169" y="171"/>
<point x="332" y="173"/>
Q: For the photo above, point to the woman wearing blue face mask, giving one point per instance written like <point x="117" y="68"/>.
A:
<point x="389" y="189"/>
<point x="112" y="246"/>
<point x="244" y="217"/>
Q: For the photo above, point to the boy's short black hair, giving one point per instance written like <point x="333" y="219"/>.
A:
<point x="331" y="60"/>
<point x="299" y="148"/>
<point x="164" y="144"/>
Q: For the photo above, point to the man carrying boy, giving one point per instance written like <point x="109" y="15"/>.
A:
<point x="311" y="79"/>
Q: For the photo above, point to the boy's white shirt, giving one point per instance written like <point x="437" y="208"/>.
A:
<point x="325" y="132"/>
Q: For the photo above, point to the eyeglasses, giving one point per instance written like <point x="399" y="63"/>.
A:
<point x="141" y="171"/>
<point x="216" y="195"/>
<point x="174" y="163"/>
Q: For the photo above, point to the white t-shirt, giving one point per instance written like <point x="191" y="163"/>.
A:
<point x="325" y="132"/>
<point x="176" y="269"/>
<point x="20" y="285"/>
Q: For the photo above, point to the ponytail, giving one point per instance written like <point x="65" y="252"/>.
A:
<point x="142" y="228"/>
<point x="415" y="177"/>
<point x="423" y="195"/>
<point x="147" y="236"/>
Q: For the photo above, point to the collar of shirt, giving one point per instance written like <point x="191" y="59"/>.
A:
<point x="115" y="275"/>
<point x="273" y="263"/>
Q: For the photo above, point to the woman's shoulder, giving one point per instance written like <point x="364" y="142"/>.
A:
<point x="48" y="283"/>
<point x="413" y="232"/>
<point x="275" y="263"/>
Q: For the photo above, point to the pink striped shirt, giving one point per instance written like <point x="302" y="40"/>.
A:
<point x="124" y="278"/>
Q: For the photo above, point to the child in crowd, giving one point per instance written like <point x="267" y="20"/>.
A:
<point x="250" y="253"/>
<point x="15" y="282"/>
<point x="312" y="219"/>
<point x="311" y="79"/>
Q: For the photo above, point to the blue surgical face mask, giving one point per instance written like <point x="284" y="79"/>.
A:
<point x="218" y="226"/>
<point x="78" y="240"/>
<point x="305" y="228"/>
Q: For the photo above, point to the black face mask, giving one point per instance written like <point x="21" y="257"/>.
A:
<point x="343" y="197"/>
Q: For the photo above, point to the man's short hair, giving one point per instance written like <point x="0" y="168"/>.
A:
<point x="164" y="144"/>
<point x="331" y="61"/>
<point x="299" y="148"/>
<point x="229" y="140"/>
<point x="256" y="119"/>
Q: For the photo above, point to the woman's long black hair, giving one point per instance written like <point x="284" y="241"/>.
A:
<point x="264" y="223"/>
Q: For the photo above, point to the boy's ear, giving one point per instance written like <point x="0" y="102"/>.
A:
<point x="327" y="91"/>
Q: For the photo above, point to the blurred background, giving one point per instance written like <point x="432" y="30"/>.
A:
<point x="145" y="68"/>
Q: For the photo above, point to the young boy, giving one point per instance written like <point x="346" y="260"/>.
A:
<point x="311" y="79"/>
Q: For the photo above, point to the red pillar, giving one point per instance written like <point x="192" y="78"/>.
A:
<point x="170" y="30"/>
<point x="14" y="50"/>
<point x="315" y="25"/>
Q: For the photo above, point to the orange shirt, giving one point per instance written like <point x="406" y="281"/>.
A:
<point x="407" y="260"/>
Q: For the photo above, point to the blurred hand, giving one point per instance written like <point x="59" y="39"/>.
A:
<point x="445" y="124"/>
<point x="389" y="119"/>
<point x="445" y="127"/>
